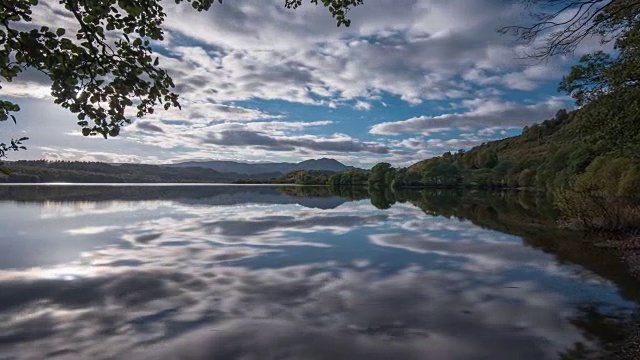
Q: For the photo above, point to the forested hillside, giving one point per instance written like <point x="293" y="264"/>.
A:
<point x="96" y="172"/>
<point x="596" y="144"/>
<point x="257" y="168"/>
<point x="589" y="159"/>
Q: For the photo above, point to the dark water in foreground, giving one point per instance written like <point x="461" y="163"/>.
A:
<point x="297" y="273"/>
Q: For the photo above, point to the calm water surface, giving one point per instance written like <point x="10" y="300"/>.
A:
<point x="290" y="273"/>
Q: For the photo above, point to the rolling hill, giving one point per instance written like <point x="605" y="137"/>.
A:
<point x="266" y="167"/>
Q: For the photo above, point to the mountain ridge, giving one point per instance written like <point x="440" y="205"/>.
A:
<point x="227" y="166"/>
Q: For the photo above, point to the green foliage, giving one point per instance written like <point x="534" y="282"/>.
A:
<point x="83" y="172"/>
<point x="355" y="177"/>
<point x="550" y="155"/>
<point x="350" y="192"/>
<point x="589" y="157"/>
<point x="14" y="145"/>
<point x="382" y="198"/>
<point x="592" y="162"/>
<point x="597" y="211"/>
<point x="338" y="8"/>
<point x="306" y="191"/>
<point x="610" y="176"/>
<point x="381" y="176"/>
<point x="103" y="70"/>
<point x="604" y="197"/>
<point x="306" y="177"/>
<point x="600" y="73"/>
<point x="589" y="79"/>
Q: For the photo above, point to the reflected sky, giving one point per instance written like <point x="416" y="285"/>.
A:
<point x="260" y="273"/>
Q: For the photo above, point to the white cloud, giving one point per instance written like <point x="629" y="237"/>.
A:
<point x="421" y="52"/>
<point x="362" y="105"/>
<point x="73" y="154"/>
<point x="481" y="114"/>
<point x="411" y="49"/>
<point x="338" y="143"/>
<point x="27" y="89"/>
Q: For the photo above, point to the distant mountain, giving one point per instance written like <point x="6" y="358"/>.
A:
<point x="318" y="197"/>
<point x="262" y="168"/>
<point x="196" y="172"/>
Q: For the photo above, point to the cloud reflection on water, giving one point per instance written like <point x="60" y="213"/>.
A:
<point x="187" y="282"/>
<point x="281" y="311"/>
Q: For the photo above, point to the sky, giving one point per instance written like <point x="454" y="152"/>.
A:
<point x="408" y="80"/>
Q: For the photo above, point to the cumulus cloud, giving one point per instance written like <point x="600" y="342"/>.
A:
<point x="362" y="105"/>
<point x="481" y="114"/>
<point x="438" y="144"/>
<point x="410" y="52"/>
<point x="264" y="141"/>
<point x="252" y="62"/>
<point x="27" y="89"/>
<point x="74" y="154"/>
<point x="416" y="51"/>
<point x="149" y="127"/>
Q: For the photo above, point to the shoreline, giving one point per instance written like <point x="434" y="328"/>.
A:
<point x="144" y="184"/>
<point x="627" y="248"/>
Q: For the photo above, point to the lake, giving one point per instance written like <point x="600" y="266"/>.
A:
<point x="245" y="272"/>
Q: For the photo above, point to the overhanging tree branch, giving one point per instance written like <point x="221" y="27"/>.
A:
<point x="108" y="60"/>
<point x="559" y="26"/>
